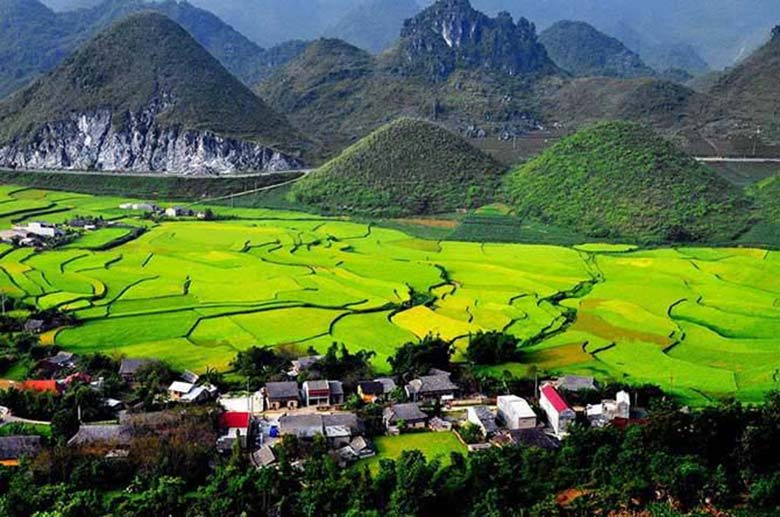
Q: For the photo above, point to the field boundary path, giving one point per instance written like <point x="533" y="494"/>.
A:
<point x="304" y="173"/>
<point x="719" y="159"/>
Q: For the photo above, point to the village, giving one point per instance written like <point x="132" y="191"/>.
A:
<point x="255" y="423"/>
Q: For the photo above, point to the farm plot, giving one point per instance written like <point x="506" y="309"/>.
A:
<point x="704" y="323"/>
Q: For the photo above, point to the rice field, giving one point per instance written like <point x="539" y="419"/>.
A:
<point x="702" y="322"/>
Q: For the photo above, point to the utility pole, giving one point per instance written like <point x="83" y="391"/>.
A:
<point x="755" y="140"/>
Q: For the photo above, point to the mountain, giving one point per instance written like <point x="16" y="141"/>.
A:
<point x="34" y="39"/>
<point x="621" y="180"/>
<point x="752" y="89"/>
<point x="143" y="95"/>
<point x="340" y="93"/>
<point x="679" y="56"/>
<point x="721" y="31"/>
<point x="70" y="5"/>
<point x="406" y="167"/>
<point x="451" y="35"/>
<point x="374" y="25"/>
<point x="583" y="51"/>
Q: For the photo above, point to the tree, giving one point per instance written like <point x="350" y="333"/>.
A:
<point x="491" y="348"/>
<point x="415" y="359"/>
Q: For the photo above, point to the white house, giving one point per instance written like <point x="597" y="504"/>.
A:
<point x="178" y="389"/>
<point x="515" y="412"/>
<point x="608" y="410"/>
<point x="40" y="229"/>
<point x="559" y="414"/>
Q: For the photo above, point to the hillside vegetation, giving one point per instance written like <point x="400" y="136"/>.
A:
<point x="407" y="167"/>
<point x="584" y="51"/>
<point x="144" y="60"/>
<point x="620" y="179"/>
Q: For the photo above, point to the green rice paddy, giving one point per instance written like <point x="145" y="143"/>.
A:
<point x="702" y="322"/>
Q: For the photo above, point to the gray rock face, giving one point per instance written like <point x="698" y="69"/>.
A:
<point x="94" y="141"/>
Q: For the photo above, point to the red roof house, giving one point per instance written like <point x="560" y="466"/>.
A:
<point x="47" y="386"/>
<point x="559" y="414"/>
<point x="234" y="420"/>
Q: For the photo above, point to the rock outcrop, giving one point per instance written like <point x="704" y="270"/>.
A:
<point x="92" y="141"/>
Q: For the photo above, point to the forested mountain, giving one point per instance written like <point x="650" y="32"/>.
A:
<point x="34" y="39"/>
<point x="583" y="51"/>
<point x="374" y="25"/>
<point x="479" y="84"/>
<point x="621" y="180"/>
<point x="407" y="167"/>
<point x="142" y="95"/>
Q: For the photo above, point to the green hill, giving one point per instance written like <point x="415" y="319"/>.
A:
<point x="406" y="167"/>
<point x="621" y="180"/>
<point x="584" y="51"/>
<point x="146" y="60"/>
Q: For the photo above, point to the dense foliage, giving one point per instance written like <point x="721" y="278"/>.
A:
<point x="40" y="39"/>
<point x="417" y="358"/>
<point x="491" y="348"/>
<point x="145" y="60"/>
<point x="723" y="458"/>
<point x="581" y="49"/>
<point x="620" y="180"/>
<point x="407" y="167"/>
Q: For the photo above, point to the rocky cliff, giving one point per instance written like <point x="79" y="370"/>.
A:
<point x="93" y="141"/>
<point x="451" y="34"/>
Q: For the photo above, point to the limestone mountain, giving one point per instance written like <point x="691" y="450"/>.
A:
<point x="34" y="39"/>
<point x="143" y="95"/>
<point x="584" y="51"/>
<point x="621" y="180"/>
<point x="451" y="35"/>
<point x="406" y="167"/>
<point x="374" y="25"/>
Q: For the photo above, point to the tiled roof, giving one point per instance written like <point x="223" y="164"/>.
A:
<point x="282" y="390"/>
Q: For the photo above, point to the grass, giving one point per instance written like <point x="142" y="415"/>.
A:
<point x="432" y="445"/>
<point x="700" y="322"/>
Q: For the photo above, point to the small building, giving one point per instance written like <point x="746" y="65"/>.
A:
<point x="340" y="428"/>
<point x="40" y="229"/>
<point x="515" y="412"/>
<point x="140" y="207"/>
<point x="56" y="363"/>
<point x="559" y="414"/>
<point x="376" y="390"/>
<point x="128" y="368"/>
<point x="576" y="383"/>
<point x="179" y="389"/>
<point x="234" y="426"/>
<point x="263" y="457"/>
<point x="323" y="393"/>
<point x="528" y="437"/>
<point x="34" y="326"/>
<point x="200" y="394"/>
<point x="357" y="449"/>
<point x="282" y="395"/>
<point x="429" y="388"/>
<point x="114" y="435"/>
<point x="14" y="448"/>
<point x="483" y="418"/>
<point x="178" y="211"/>
<point x="305" y="427"/>
<point x="409" y="414"/>
<point x="303" y="364"/>
<point x="599" y="415"/>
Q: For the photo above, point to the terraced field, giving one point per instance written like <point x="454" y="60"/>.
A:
<point x="704" y="323"/>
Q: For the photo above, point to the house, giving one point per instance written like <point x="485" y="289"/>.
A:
<point x="14" y="448"/>
<point x="359" y="448"/>
<point x="515" y="412"/>
<point x="429" y="388"/>
<point x="190" y="377"/>
<point x="234" y="426"/>
<point x="559" y="414"/>
<point x="179" y="389"/>
<point x="128" y="368"/>
<point x="483" y="418"/>
<point x="439" y="425"/>
<point x="599" y="415"/>
<point x="376" y="390"/>
<point x="46" y="386"/>
<point x="263" y="457"/>
<point x="338" y="428"/>
<point x="141" y="207"/>
<point x="323" y="393"/>
<point x="178" y="211"/>
<point x="576" y="383"/>
<point x="34" y="326"/>
<point x="303" y="364"/>
<point x="55" y="363"/>
<point x="200" y="394"/>
<point x="101" y="434"/>
<point x="303" y="426"/>
<point x="40" y="229"/>
<point x="409" y="414"/>
<point x="281" y="395"/>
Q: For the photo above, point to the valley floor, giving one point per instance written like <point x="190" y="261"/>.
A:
<point x="701" y="322"/>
